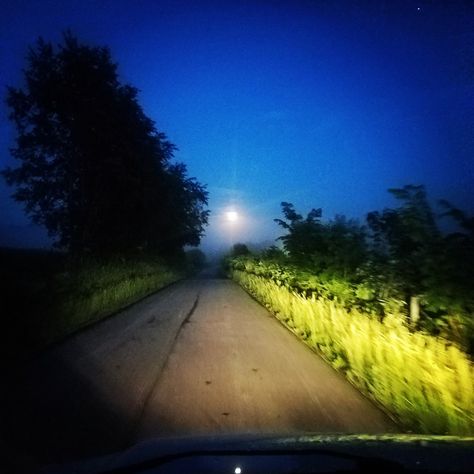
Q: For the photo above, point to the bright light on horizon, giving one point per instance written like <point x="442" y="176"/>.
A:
<point x="232" y="216"/>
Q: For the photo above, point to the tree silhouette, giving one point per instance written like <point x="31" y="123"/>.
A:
<point x="336" y="247"/>
<point x="93" y="168"/>
<point x="304" y="237"/>
<point x="239" y="249"/>
<point x="407" y="239"/>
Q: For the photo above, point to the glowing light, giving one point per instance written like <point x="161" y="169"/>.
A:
<point x="231" y="216"/>
<point x="237" y="470"/>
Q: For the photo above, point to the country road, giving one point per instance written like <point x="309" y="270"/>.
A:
<point x="199" y="357"/>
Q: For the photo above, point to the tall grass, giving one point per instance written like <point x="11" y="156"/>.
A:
<point x="425" y="382"/>
<point x="45" y="297"/>
<point x="95" y="290"/>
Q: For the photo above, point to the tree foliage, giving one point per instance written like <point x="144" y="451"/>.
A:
<point x="406" y="238"/>
<point x="239" y="249"/>
<point x="93" y="168"/>
<point x="405" y="265"/>
<point x="336" y="247"/>
<point x="422" y="261"/>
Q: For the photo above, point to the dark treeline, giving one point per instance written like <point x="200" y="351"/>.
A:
<point x="93" y="169"/>
<point x="399" y="261"/>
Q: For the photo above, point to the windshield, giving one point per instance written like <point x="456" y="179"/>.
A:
<point x="236" y="219"/>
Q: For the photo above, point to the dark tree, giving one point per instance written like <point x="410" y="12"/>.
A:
<point x="93" y="168"/>
<point x="304" y="237"/>
<point x="346" y="247"/>
<point x="336" y="247"/>
<point x="406" y="241"/>
<point x="239" y="249"/>
<point x="456" y="270"/>
<point x="183" y="218"/>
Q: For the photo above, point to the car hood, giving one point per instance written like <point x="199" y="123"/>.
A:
<point x="282" y="454"/>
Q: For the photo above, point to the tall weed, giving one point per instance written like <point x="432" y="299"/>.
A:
<point x="425" y="382"/>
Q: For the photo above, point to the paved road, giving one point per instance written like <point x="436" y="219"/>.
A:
<point x="200" y="357"/>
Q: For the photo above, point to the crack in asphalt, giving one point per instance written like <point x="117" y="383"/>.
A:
<point x="146" y="401"/>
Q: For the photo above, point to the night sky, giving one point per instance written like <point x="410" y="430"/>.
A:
<point x="323" y="104"/>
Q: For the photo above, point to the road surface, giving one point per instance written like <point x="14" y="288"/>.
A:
<point x="199" y="357"/>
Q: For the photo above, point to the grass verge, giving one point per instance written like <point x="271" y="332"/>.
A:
<point x="46" y="298"/>
<point x="425" y="382"/>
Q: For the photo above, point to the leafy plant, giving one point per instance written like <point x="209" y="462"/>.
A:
<point x="336" y="247"/>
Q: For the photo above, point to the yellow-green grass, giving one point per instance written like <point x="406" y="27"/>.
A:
<point x="48" y="299"/>
<point x="425" y="382"/>
<point x="97" y="291"/>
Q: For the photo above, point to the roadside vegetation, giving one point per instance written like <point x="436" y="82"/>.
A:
<point x="47" y="296"/>
<point x="389" y="304"/>
<point x="92" y="168"/>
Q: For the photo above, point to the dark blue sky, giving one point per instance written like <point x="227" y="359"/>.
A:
<point x="320" y="103"/>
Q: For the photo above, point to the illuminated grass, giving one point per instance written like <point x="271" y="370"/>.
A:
<point x="426" y="383"/>
<point x="97" y="291"/>
<point x="46" y="297"/>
